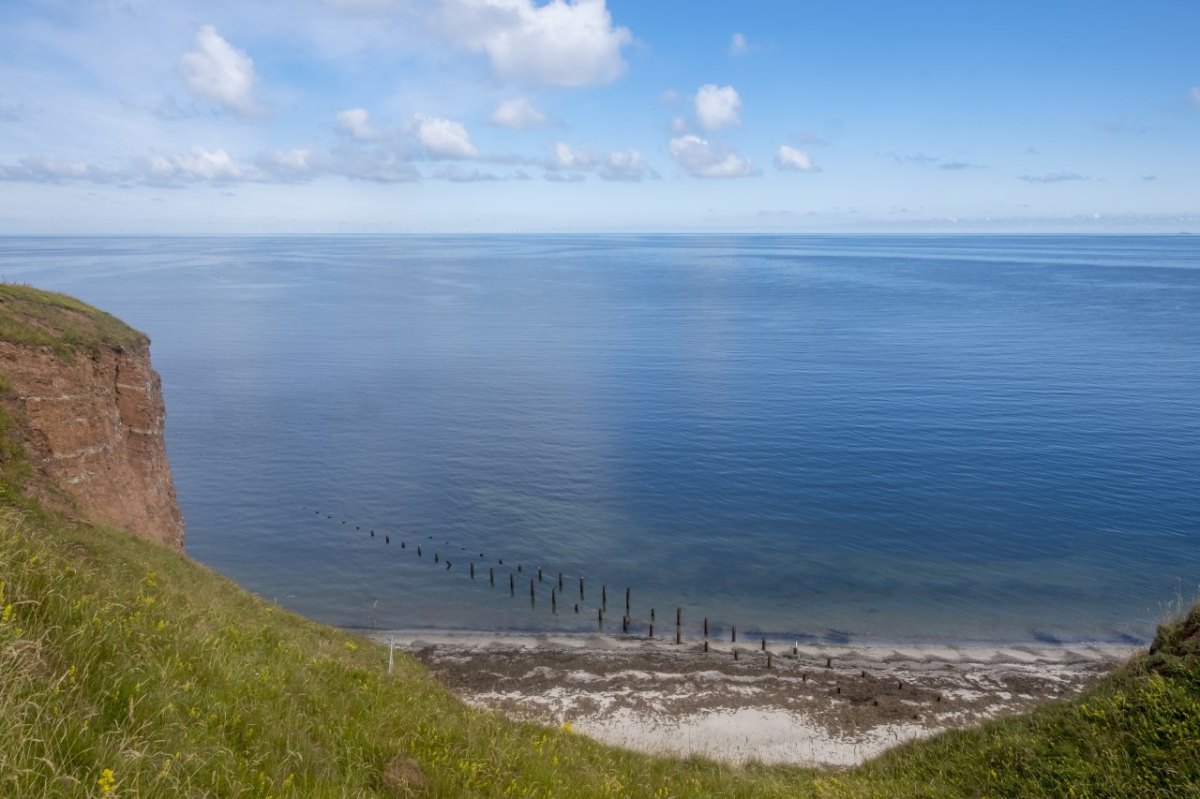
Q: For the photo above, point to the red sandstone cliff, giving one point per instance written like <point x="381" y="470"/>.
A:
<point x="93" y="417"/>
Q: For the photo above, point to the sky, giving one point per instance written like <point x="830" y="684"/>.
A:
<point x="458" y="116"/>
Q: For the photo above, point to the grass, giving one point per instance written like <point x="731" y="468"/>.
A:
<point x="64" y="324"/>
<point x="127" y="670"/>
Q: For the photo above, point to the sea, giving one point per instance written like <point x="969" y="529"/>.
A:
<point x="867" y="439"/>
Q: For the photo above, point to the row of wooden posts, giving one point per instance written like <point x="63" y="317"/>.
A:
<point x="558" y="591"/>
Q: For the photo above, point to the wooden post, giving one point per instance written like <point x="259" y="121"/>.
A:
<point x="576" y="607"/>
<point x="580" y="588"/>
<point x="553" y="600"/>
<point x="419" y="551"/>
<point x="651" y="614"/>
<point x="764" y="643"/>
<point x="560" y="588"/>
<point x="531" y="594"/>
<point x="768" y="660"/>
<point x="604" y="596"/>
<point x="735" y="653"/>
<point x="624" y="624"/>
<point x="733" y="633"/>
<point x="651" y="629"/>
<point x="472" y="570"/>
<point x="706" y="626"/>
<point x="796" y="649"/>
<point x="492" y="576"/>
<point x="829" y="663"/>
<point x="539" y="574"/>
<point x="626" y="601"/>
<point x="512" y="584"/>
<point x="678" y="625"/>
<point x="600" y="616"/>
<point x="436" y="557"/>
<point x="705" y="644"/>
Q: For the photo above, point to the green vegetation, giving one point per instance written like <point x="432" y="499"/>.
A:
<point x="126" y="670"/>
<point x="66" y="325"/>
<point x="129" y="671"/>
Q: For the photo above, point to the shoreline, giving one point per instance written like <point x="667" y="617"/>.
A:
<point x="825" y="705"/>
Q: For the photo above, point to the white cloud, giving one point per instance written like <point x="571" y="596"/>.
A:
<point x="216" y="165"/>
<point x="738" y="45"/>
<point x="626" y="165"/>
<point x="356" y="123"/>
<point x="702" y="160"/>
<point x="789" y="158"/>
<point x="291" y="165"/>
<point x="572" y="159"/>
<point x="217" y="71"/>
<point x="559" y="43"/>
<point x="519" y="114"/>
<point x="444" y="138"/>
<point x="717" y="106"/>
<point x="40" y="169"/>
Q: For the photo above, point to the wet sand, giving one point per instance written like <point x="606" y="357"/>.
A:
<point x="816" y="705"/>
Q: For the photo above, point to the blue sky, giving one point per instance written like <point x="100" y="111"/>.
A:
<point x="417" y="116"/>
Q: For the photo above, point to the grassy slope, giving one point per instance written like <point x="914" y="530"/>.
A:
<point x="118" y="655"/>
<point x="44" y="318"/>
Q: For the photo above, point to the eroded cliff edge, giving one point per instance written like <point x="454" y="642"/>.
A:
<point x="88" y="407"/>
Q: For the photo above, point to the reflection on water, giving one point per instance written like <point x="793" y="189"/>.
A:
<point x="985" y="438"/>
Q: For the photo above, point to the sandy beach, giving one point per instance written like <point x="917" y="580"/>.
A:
<point x="814" y="705"/>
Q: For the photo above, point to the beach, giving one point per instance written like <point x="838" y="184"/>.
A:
<point x="813" y="705"/>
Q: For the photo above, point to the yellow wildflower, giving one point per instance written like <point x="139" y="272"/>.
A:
<point x="107" y="782"/>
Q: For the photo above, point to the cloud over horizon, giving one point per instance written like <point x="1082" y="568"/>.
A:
<point x="219" y="72"/>
<point x="568" y="43"/>
<point x="717" y="106"/>
<point x="701" y="159"/>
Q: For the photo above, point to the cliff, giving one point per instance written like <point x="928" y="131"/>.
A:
<point x="88" y="411"/>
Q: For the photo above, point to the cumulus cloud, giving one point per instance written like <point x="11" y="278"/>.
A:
<point x="519" y="114"/>
<point x="717" y="106"/>
<point x="702" y="160"/>
<point x="444" y="138"/>
<point x="217" y="71"/>
<point x="356" y="123"/>
<point x="197" y="163"/>
<point x="790" y="159"/>
<point x="577" y="159"/>
<point x="559" y="43"/>
<point x="40" y="169"/>
<point x="1053" y="177"/>
<point x="958" y="166"/>
<point x="293" y="165"/>
<point x="626" y="165"/>
<point x="738" y="44"/>
<point x="217" y="166"/>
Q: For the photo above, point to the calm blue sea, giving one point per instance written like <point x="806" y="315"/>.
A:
<point x="846" y="439"/>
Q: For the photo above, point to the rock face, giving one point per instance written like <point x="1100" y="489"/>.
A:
<point x="96" y="431"/>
